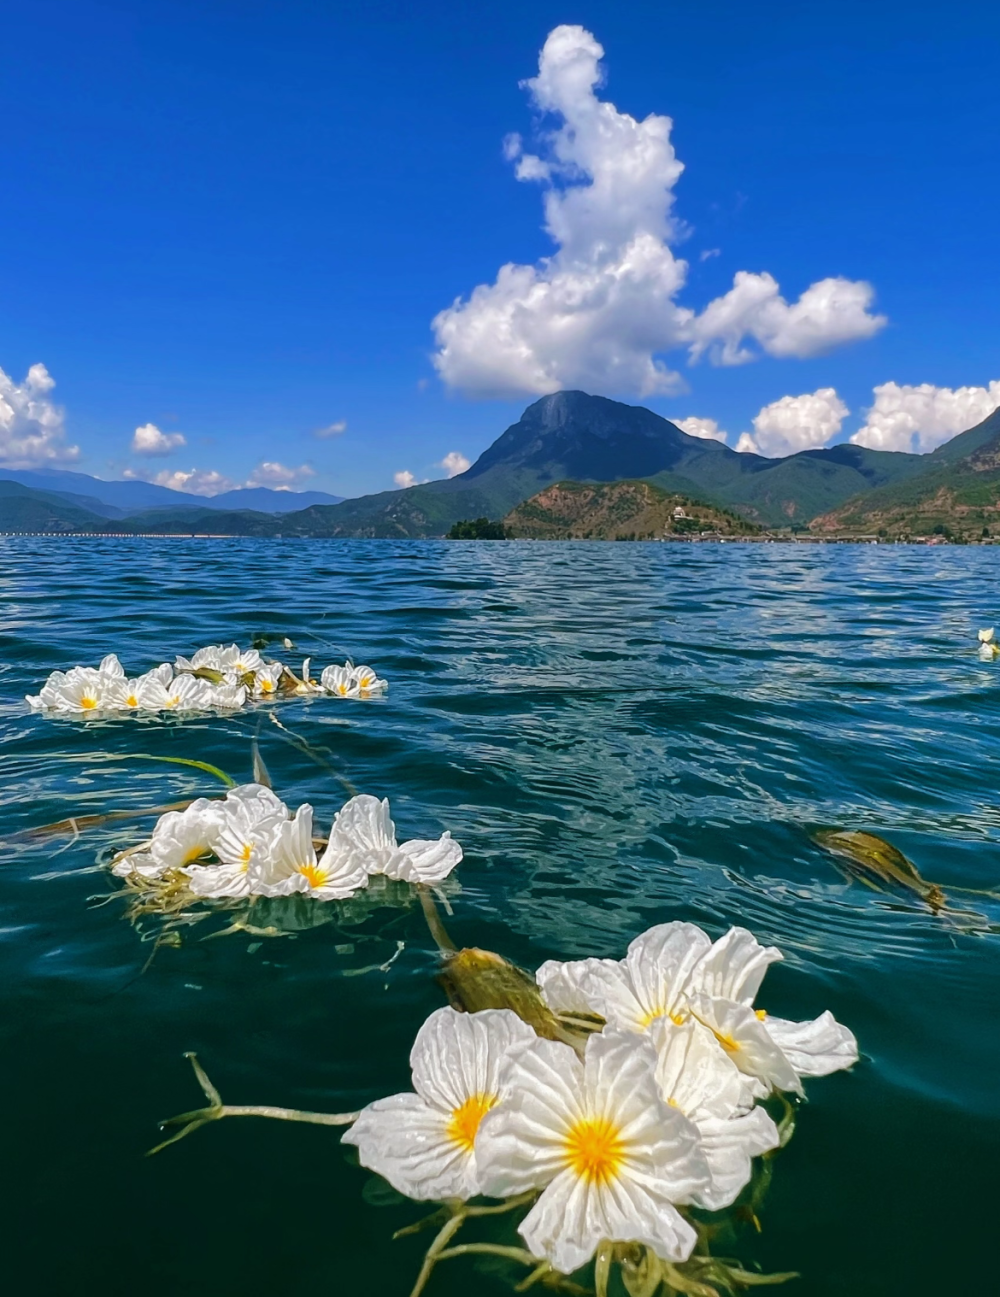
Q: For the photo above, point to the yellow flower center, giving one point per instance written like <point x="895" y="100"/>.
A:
<point x="245" y="853"/>
<point x="342" y="689"/>
<point x="267" y="686"/>
<point x="594" y="1150"/>
<point x="465" y="1119"/>
<point x="194" y="853"/>
<point x="678" y="1019"/>
<point x="87" y="703"/>
<point x="131" y="701"/>
<point x="315" y="876"/>
<point x="728" y="1044"/>
<point x="761" y="1013"/>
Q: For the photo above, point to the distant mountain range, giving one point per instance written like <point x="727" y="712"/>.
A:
<point x="622" y="510"/>
<point x="568" y="436"/>
<point x="122" y="498"/>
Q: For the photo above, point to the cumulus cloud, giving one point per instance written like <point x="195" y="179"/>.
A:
<point x="194" y="481"/>
<point x="282" y="478"/>
<point x="32" y="429"/>
<point x="600" y="312"/>
<point x="404" y="478"/>
<point x="454" y="463"/>
<point x="149" y="440"/>
<point x="828" y="314"/>
<point x="745" y="445"/>
<point x="332" y="429"/>
<point x="696" y="427"/>
<point x="918" y="418"/>
<point x="796" y="423"/>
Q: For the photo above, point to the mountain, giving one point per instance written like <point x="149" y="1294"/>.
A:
<point x="625" y="510"/>
<point x="956" y="495"/>
<point x="573" y="436"/>
<point x="22" y="509"/>
<point x="118" y="499"/>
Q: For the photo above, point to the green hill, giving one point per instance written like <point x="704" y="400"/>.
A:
<point x="957" y="494"/>
<point x="628" y="510"/>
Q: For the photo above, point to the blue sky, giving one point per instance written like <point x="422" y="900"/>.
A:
<point x="236" y="222"/>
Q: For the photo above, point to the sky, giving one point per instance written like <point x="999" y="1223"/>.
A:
<point x="330" y="246"/>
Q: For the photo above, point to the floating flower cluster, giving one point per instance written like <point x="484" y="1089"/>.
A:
<point x="655" y="1112"/>
<point x="988" y="646"/>
<point x="250" y="844"/>
<point x="216" y="677"/>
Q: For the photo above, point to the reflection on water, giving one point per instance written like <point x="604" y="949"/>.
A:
<point x="617" y="735"/>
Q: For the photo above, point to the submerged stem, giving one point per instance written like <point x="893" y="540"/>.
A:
<point x="192" y="1121"/>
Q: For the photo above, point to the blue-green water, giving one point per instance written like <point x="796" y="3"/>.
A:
<point x="618" y="735"/>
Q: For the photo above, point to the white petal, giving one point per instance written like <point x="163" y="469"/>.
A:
<point x="140" y="862"/>
<point x="458" y="1055"/>
<point x="660" y="964"/>
<point x="728" y="1146"/>
<point x="563" y="985"/>
<point x="746" y="1041"/>
<point x="110" y="666"/>
<point x="734" y="967"/>
<point x="218" y="880"/>
<point x="425" y="861"/>
<point x="814" y="1048"/>
<point x="363" y="827"/>
<point x="405" y="1140"/>
<point x="695" y="1073"/>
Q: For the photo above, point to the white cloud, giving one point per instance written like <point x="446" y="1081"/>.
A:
<point x="31" y="426"/>
<point x="282" y="478"/>
<point x="796" y="423"/>
<point x="404" y="478"/>
<point x="332" y="429"/>
<point x="708" y="253"/>
<point x="600" y="312"/>
<point x="696" y="427"/>
<point x="827" y="315"/>
<point x="746" y="445"/>
<point x="195" y="481"/>
<point x="918" y="418"/>
<point x="454" y="463"/>
<point x="149" y="440"/>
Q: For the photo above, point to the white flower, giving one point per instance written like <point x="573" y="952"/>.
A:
<point x="696" y="1076"/>
<point x="340" y="681"/>
<point x="122" y="694"/>
<point x="306" y="684"/>
<point x="291" y="864"/>
<point x="364" y="831"/>
<point x="723" y="989"/>
<point x="424" y="1143"/>
<point x="182" y="693"/>
<point x="610" y="1154"/>
<point x="81" y="690"/>
<point x="179" y="839"/>
<point x="267" y="679"/>
<point x="986" y="636"/>
<point x="651" y="982"/>
<point x="250" y="817"/>
<point x="367" y="681"/>
<point x="229" y="696"/>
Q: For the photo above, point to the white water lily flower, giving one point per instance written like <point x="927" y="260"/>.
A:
<point x="291" y="864"/>
<point x="81" y="690"/>
<point x="179" y="839"/>
<point x="251" y="815"/>
<point x="307" y="685"/>
<point x="229" y="696"/>
<point x="424" y="1143"/>
<point x="122" y="694"/>
<point x="651" y="982"/>
<point x="696" y="1076"/>
<point x="340" y="681"/>
<point x="267" y="679"/>
<point x="363" y="830"/>
<point x="182" y="693"/>
<point x="368" y="682"/>
<point x="724" y="986"/>
<point x="611" y="1156"/>
<point x="986" y="636"/>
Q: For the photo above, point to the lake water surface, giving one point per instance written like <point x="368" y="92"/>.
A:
<point x="618" y="735"/>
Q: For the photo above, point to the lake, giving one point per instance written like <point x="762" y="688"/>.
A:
<point x="618" y="735"/>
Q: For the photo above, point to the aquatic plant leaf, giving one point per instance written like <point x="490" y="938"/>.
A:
<point x="260" y="772"/>
<point x="878" y="859"/>
<point x="476" y="979"/>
